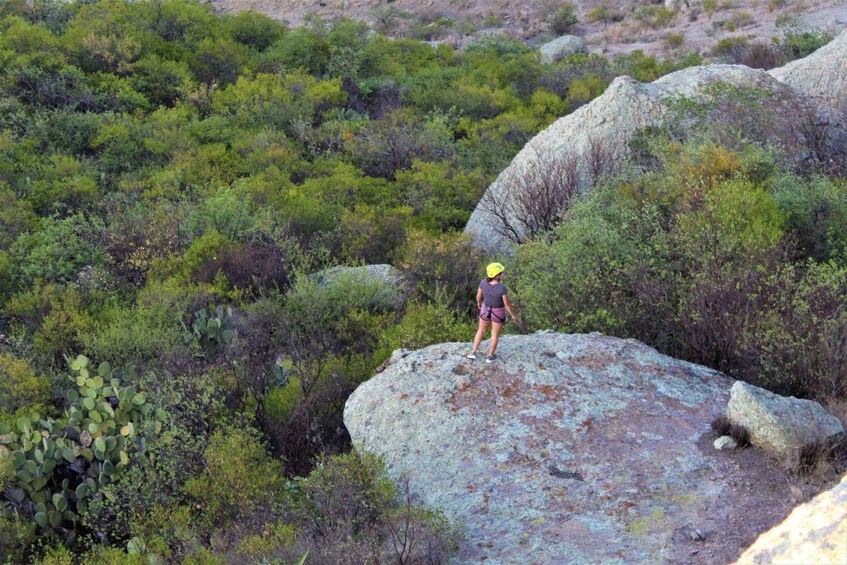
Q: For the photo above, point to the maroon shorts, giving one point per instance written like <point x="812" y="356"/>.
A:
<point x="496" y="315"/>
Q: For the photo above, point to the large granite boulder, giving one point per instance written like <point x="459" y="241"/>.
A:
<point x="823" y="73"/>
<point x="779" y="424"/>
<point x="562" y="47"/>
<point x="814" y="533"/>
<point x="569" y="449"/>
<point x="594" y="140"/>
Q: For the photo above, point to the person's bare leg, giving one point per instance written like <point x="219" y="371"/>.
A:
<point x="480" y="333"/>
<point x="495" y="337"/>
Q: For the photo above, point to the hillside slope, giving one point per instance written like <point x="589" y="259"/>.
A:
<point x="642" y="26"/>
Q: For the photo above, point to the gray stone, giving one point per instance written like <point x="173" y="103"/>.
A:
<point x="779" y="424"/>
<point x="725" y="442"/>
<point x="562" y="47"/>
<point x="569" y="449"/>
<point x="383" y="273"/>
<point x="809" y="132"/>
<point x="822" y="74"/>
<point x="682" y="5"/>
<point x="814" y="533"/>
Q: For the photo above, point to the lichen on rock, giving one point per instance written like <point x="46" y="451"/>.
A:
<point x="569" y="448"/>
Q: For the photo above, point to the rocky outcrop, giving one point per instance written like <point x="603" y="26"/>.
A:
<point x="682" y="5"/>
<point x="562" y="47"/>
<point x="814" y="533"/>
<point x="594" y="140"/>
<point x="823" y="73"/>
<point x="568" y="449"/>
<point x="384" y="273"/>
<point x="778" y="424"/>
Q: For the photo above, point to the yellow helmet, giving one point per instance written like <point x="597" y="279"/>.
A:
<point x="493" y="269"/>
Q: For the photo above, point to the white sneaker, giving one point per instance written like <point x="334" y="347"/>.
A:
<point x="471" y="355"/>
<point x="490" y="358"/>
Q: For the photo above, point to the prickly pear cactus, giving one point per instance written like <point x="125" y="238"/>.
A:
<point x="208" y="330"/>
<point x="61" y="466"/>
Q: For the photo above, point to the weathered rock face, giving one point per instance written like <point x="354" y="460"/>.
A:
<point x="682" y="5"/>
<point x="568" y="449"/>
<point x="779" y="424"/>
<point x="823" y="73"/>
<point x="595" y="137"/>
<point x="384" y="273"/>
<point x="562" y="47"/>
<point x="814" y="533"/>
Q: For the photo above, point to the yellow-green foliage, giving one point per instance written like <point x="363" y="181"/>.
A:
<point x="272" y="537"/>
<point x="424" y="324"/>
<point x="17" y="534"/>
<point x="269" y="99"/>
<point x="240" y="479"/>
<point x="20" y="387"/>
<point x="281" y="401"/>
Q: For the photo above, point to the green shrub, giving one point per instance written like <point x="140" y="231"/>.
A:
<point x="141" y="335"/>
<point x="689" y="256"/>
<point x="54" y="317"/>
<point x="255" y="30"/>
<point x="444" y="269"/>
<point x="371" y="235"/>
<point x="563" y="20"/>
<point x="422" y="325"/>
<point x="816" y="214"/>
<point x="605" y="15"/>
<point x="240" y="481"/>
<point x="675" y="40"/>
<point x="59" y="250"/>
<point x="798" y="41"/>
<point x="316" y="320"/>
<point x="350" y="498"/>
<point x="17" y="534"/>
<point x="20" y="387"/>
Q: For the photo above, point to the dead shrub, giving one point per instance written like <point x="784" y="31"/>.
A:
<point x="533" y="200"/>
<point x="252" y="267"/>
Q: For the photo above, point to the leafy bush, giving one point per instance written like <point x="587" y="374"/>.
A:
<point x="20" y="388"/>
<point x="698" y="258"/>
<point x="59" y="250"/>
<point x="356" y="512"/>
<point x="240" y="482"/>
<point x="424" y="324"/>
<point x="563" y="20"/>
<point x="444" y="269"/>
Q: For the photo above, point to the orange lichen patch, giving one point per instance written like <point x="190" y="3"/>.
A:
<point x="547" y="390"/>
<point x="404" y="396"/>
<point x="470" y="488"/>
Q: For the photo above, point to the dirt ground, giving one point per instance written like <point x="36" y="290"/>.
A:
<point x="733" y="526"/>
<point x="460" y="21"/>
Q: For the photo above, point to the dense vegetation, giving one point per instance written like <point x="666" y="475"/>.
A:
<point x="171" y="377"/>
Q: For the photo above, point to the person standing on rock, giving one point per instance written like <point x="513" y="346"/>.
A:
<point x="492" y="299"/>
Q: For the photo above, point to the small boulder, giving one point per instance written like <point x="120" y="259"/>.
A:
<point x="562" y="47"/>
<point x="725" y="442"/>
<point x="814" y="532"/>
<point x="780" y="424"/>
<point x="384" y="273"/>
<point x="682" y="5"/>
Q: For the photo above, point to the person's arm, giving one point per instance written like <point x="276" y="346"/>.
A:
<point x="508" y="306"/>
<point x="479" y="298"/>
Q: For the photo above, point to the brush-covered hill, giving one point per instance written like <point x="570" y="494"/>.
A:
<point x="615" y="27"/>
